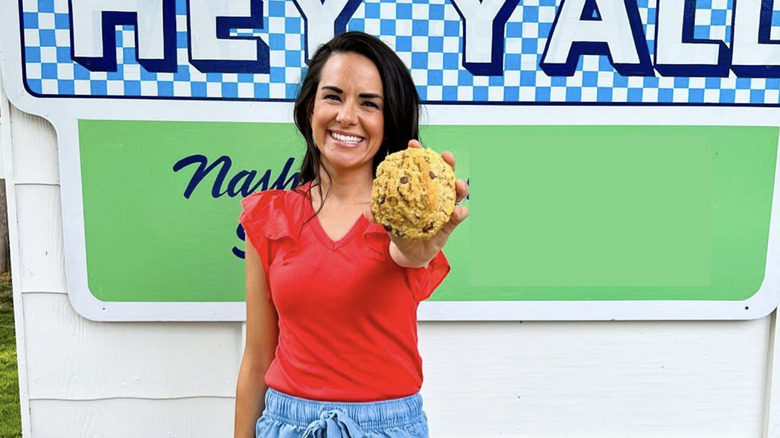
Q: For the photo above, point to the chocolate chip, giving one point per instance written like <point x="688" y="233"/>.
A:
<point x="404" y="179"/>
<point x="381" y="199"/>
<point x="388" y="228"/>
<point x="428" y="227"/>
<point x="432" y="175"/>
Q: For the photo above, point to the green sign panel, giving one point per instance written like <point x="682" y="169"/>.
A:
<point x="574" y="213"/>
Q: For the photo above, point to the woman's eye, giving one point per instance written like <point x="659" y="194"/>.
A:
<point x="371" y="104"/>
<point x="331" y="97"/>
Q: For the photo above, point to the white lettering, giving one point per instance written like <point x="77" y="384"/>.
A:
<point x="613" y="29"/>
<point x="210" y="42"/>
<point x="328" y="16"/>
<point x="480" y="24"/>
<point x="748" y="48"/>
<point x="669" y="45"/>
<point x="88" y="17"/>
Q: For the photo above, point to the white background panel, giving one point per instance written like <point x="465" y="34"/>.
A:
<point x="70" y="357"/>
<point x="34" y="143"/>
<point x="202" y="417"/>
<point x="39" y="221"/>
<point x="595" y="379"/>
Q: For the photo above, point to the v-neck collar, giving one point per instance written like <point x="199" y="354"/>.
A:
<point x="359" y="225"/>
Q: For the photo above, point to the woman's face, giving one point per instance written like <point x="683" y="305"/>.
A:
<point x="347" y="119"/>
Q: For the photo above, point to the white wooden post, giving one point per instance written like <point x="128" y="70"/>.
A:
<point x="8" y="172"/>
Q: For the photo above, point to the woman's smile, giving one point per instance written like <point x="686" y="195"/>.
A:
<point x="346" y="139"/>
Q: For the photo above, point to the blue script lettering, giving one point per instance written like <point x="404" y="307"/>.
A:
<point x="242" y="183"/>
<point x="241" y="233"/>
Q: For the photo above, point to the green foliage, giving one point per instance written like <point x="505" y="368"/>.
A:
<point x="6" y="292"/>
<point x="10" y="416"/>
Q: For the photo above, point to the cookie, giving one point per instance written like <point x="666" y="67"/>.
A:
<point x="413" y="194"/>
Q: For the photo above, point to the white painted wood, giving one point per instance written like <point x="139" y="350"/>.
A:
<point x="697" y="379"/>
<point x="772" y="411"/>
<point x="640" y="379"/>
<point x="133" y="418"/>
<point x="599" y="379"/>
<point x="3" y="120"/>
<point x="34" y="145"/>
<point x="13" y="241"/>
<point x="73" y="358"/>
<point x="41" y="258"/>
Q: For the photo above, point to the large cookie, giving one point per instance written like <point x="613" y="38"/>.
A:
<point x="414" y="193"/>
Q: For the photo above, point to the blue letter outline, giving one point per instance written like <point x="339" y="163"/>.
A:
<point x="591" y="11"/>
<point x="764" y="37"/>
<point x="577" y="49"/>
<point x="721" y="69"/>
<point x="224" y="24"/>
<point x="111" y="19"/>
<point x="339" y="26"/>
<point x="496" y="65"/>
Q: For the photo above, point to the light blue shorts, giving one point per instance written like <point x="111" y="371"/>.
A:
<point x="286" y="416"/>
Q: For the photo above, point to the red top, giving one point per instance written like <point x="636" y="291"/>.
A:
<point x="347" y="311"/>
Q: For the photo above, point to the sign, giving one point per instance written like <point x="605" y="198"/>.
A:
<point x="621" y="154"/>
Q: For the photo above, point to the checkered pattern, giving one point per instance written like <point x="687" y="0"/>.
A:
<point x="713" y="20"/>
<point x="426" y="34"/>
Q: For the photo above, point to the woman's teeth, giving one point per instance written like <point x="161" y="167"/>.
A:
<point x="346" y="138"/>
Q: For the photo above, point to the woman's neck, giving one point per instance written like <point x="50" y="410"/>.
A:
<point x="343" y="189"/>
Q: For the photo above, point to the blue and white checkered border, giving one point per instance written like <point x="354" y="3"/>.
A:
<point x="427" y="35"/>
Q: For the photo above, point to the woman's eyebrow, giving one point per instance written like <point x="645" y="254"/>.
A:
<point x="338" y="90"/>
<point x="370" y="96"/>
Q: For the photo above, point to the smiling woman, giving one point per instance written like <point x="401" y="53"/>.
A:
<point x="331" y="297"/>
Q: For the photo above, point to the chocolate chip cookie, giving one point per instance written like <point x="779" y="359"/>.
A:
<point x="413" y="194"/>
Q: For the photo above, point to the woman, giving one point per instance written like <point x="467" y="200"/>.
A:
<point x="331" y="299"/>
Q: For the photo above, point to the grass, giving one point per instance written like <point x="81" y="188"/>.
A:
<point x="10" y="415"/>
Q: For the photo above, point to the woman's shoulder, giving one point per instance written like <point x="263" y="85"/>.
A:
<point x="275" y="199"/>
<point x="274" y="213"/>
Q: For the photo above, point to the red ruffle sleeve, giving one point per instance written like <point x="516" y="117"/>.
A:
<point x="423" y="281"/>
<point x="426" y="280"/>
<point x="265" y="222"/>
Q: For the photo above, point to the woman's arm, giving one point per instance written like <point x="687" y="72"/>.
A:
<point x="262" y="335"/>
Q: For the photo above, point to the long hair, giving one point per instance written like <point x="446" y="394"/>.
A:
<point x="401" y="101"/>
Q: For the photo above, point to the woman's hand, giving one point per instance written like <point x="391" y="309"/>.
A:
<point x="418" y="253"/>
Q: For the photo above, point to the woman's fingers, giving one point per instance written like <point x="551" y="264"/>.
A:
<point x="461" y="190"/>
<point x="449" y="158"/>
<point x="369" y="215"/>
<point x="415" y="144"/>
<point x="458" y="216"/>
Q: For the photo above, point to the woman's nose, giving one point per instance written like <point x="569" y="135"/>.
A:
<point x="347" y="115"/>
